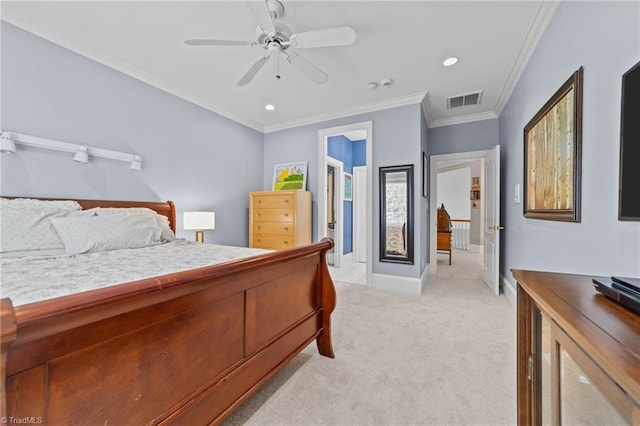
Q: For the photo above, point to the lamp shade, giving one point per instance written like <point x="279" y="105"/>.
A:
<point x="199" y="220"/>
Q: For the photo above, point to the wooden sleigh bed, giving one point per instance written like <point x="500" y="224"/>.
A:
<point x="184" y="348"/>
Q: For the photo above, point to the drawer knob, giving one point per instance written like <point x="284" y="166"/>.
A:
<point x="259" y="201"/>
<point x="286" y="215"/>
<point x="286" y="242"/>
<point x="259" y="240"/>
<point x="259" y="214"/>
<point x="286" y="201"/>
<point x="259" y="227"/>
<point x="286" y="228"/>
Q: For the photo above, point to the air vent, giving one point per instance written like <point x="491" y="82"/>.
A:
<point x="464" y="100"/>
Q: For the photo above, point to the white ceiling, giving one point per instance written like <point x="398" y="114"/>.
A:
<point x="405" y="41"/>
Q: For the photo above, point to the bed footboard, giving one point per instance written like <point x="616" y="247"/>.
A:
<point x="185" y="348"/>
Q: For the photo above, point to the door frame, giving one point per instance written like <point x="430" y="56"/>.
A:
<point x="323" y="135"/>
<point x="433" y="197"/>
<point x="338" y="229"/>
<point x="359" y="202"/>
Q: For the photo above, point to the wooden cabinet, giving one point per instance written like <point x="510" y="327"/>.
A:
<point x="444" y="232"/>
<point x="279" y="219"/>
<point x="578" y="353"/>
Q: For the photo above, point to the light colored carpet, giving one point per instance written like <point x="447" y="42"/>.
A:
<point x="446" y="357"/>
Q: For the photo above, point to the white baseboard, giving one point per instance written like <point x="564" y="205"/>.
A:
<point x="509" y="291"/>
<point x="347" y="258"/>
<point x="396" y="284"/>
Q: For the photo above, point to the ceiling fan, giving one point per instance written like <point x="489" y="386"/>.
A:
<point x="278" y="38"/>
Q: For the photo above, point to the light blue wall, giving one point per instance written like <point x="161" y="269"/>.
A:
<point x="360" y="153"/>
<point x="396" y="141"/>
<point x="192" y="156"/>
<point x="474" y="136"/>
<point x="604" y="37"/>
<point x="341" y="148"/>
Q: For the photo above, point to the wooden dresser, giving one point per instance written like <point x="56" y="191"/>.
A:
<point x="578" y="353"/>
<point x="279" y="219"/>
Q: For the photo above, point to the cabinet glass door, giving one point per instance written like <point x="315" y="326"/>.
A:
<point x="581" y="402"/>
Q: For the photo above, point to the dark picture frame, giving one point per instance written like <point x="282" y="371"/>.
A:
<point x="552" y="156"/>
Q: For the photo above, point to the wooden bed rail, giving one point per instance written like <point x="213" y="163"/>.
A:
<point x="7" y="336"/>
<point x="226" y="328"/>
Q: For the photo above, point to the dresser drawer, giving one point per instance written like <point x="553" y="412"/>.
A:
<point x="273" y="228"/>
<point x="273" y="215"/>
<point x="444" y="241"/>
<point x="275" y="242"/>
<point x="273" y="201"/>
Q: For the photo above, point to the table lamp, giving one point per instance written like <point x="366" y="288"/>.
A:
<point x="199" y="221"/>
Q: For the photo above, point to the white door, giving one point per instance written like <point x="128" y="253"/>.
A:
<point x="492" y="220"/>
<point x="360" y="213"/>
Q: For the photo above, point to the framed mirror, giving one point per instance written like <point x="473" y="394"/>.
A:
<point x="396" y="214"/>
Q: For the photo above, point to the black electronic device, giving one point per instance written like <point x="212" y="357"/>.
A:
<point x="618" y="293"/>
<point x="629" y="201"/>
<point x="630" y="283"/>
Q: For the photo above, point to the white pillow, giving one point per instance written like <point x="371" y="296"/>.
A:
<point x="30" y="228"/>
<point x="30" y="203"/>
<point x="162" y="220"/>
<point x="109" y="232"/>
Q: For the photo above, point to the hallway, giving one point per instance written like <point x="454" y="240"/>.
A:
<point x="352" y="272"/>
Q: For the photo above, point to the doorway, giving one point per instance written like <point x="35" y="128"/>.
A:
<point x="345" y="203"/>
<point x="489" y="203"/>
<point x="334" y="211"/>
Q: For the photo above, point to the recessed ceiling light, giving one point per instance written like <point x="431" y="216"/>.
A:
<point x="269" y="107"/>
<point x="450" y="61"/>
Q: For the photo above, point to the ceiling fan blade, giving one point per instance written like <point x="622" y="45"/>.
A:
<point x="210" y="42"/>
<point x="337" y="36"/>
<point x="257" y="65"/>
<point x="307" y="68"/>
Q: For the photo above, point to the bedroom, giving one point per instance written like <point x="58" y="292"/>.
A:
<point x="53" y="92"/>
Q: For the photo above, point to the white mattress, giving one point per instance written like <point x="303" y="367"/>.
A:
<point x="35" y="278"/>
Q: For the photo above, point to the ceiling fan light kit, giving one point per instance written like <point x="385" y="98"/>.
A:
<point x="278" y="38"/>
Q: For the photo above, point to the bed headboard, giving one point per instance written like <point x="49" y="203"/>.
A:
<point x="166" y="208"/>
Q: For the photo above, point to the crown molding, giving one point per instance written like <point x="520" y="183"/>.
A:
<point x="415" y="98"/>
<point x="15" y="18"/>
<point x="540" y="22"/>
<point x="426" y="110"/>
<point x="464" y="119"/>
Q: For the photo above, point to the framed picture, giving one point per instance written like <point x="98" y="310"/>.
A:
<point x="425" y="175"/>
<point x="552" y="156"/>
<point x="348" y="187"/>
<point x="290" y="176"/>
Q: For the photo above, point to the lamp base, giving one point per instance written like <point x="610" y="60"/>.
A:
<point x="199" y="236"/>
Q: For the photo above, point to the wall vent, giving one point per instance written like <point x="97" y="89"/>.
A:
<point x="464" y="100"/>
